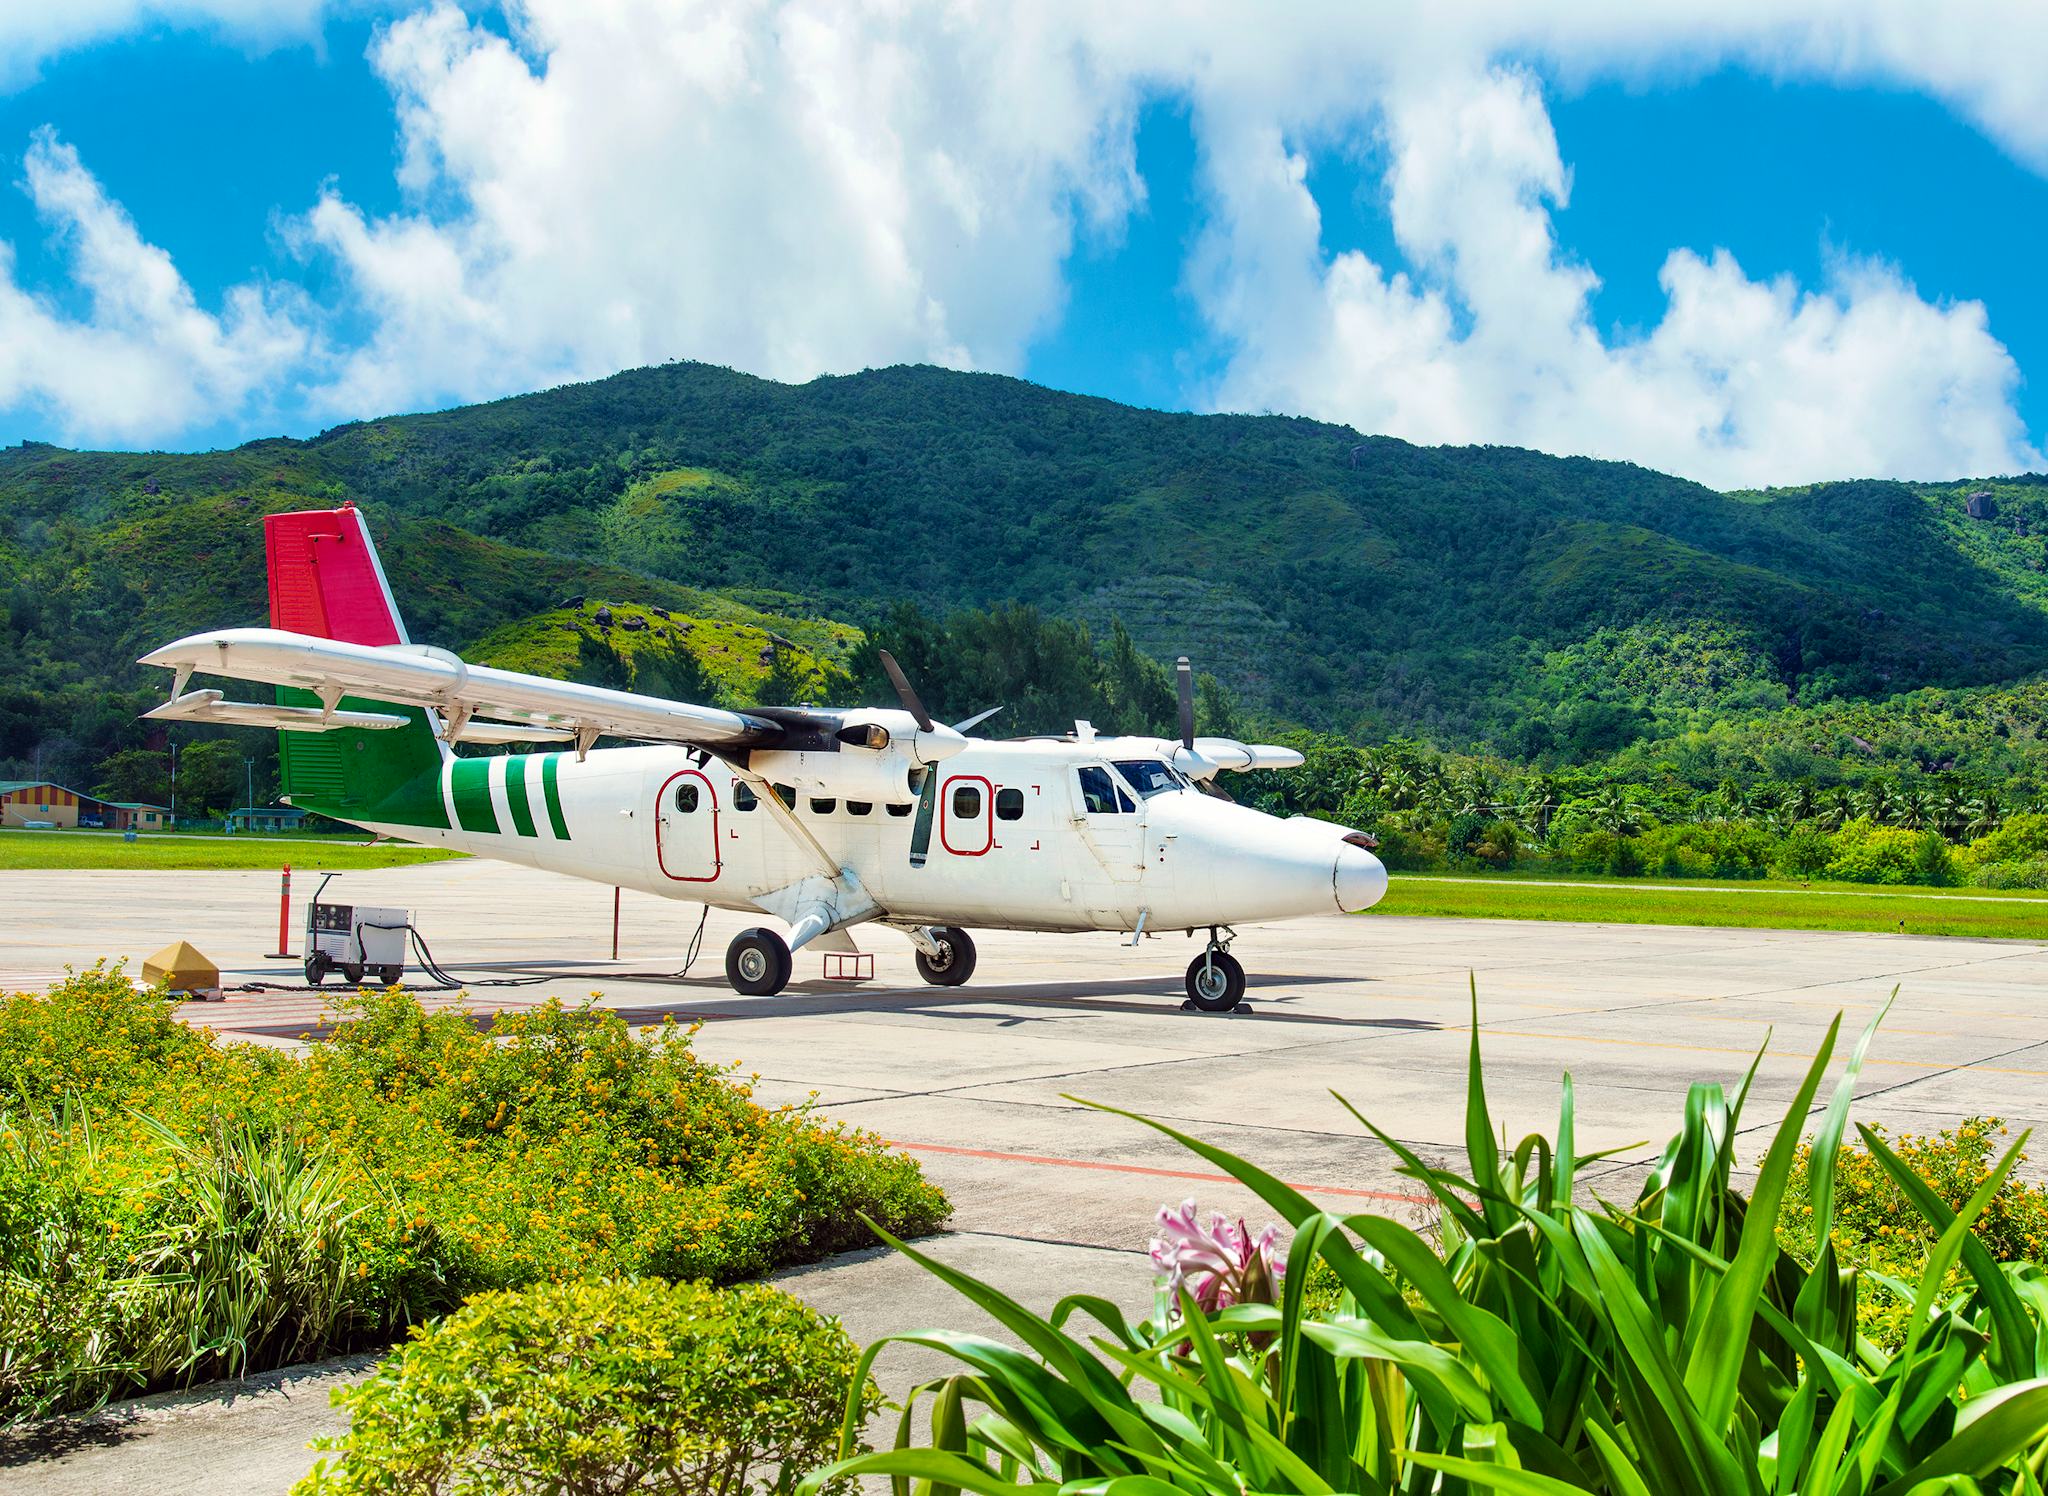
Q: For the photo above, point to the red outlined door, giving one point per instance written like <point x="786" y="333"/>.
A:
<point x="967" y="825"/>
<point x="686" y="828"/>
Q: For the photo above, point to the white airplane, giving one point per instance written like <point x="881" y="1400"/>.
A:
<point x="822" y="819"/>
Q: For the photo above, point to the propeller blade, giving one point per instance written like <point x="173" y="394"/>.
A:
<point x="904" y="694"/>
<point x="1184" y="679"/>
<point x="976" y="720"/>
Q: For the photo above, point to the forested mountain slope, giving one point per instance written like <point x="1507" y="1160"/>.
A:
<point x="1480" y="596"/>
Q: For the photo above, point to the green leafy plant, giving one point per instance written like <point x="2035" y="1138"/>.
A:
<point x="173" y="1208"/>
<point x="1877" y="1230"/>
<point x="585" y="1389"/>
<point x="1669" y="1347"/>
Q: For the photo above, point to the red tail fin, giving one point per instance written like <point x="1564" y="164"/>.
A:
<point x="325" y="578"/>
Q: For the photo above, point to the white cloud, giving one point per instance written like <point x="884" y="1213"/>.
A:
<point x="1741" y="383"/>
<point x="33" y="31"/>
<point x="147" y="360"/>
<point x="792" y="189"/>
<point x="806" y="186"/>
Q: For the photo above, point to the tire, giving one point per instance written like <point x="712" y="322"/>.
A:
<point x="352" y="973"/>
<point x="390" y="976"/>
<point x="317" y="967"/>
<point x="955" y="961"/>
<point x="758" y="963"/>
<point x="1215" y="982"/>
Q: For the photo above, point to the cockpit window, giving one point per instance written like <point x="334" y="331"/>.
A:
<point x="1100" y="793"/>
<point x="1149" y="777"/>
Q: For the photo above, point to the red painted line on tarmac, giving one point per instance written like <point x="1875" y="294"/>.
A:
<point x="1089" y="1163"/>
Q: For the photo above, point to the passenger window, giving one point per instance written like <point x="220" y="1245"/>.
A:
<point x="686" y="797"/>
<point x="1099" y="794"/>
<point x="966" y="803"/>
<point x="1009" y="805"/>
<point x="898" y="810"/>
<point x="786" y="795"/>
<point x="743" y="797"/>
<point x="859" y="807"/>
<point x="821" y="807"/>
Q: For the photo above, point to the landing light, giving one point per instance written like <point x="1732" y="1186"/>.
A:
<point x="865" y="735"/>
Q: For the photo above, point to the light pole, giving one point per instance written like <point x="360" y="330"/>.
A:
<point x="249" y="772"/>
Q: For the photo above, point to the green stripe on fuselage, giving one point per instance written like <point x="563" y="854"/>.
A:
<point x="473" y="811"/>
<point x="515" y="794"/>
<point x="553" y="795"/>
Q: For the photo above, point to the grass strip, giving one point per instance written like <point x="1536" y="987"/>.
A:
<point x="1909" y="911"/>
<point x="56" y="850"/>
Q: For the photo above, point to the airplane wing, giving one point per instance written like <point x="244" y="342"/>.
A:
<point x="1228" y="753"/>
<point x="477" y="703"/>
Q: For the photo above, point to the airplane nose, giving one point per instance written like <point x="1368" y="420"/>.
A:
<point x="1358" y="878"/>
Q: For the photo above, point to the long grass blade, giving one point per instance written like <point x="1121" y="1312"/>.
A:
<point x="1722" y="1344"/>
<point x="2012" y="1353"/>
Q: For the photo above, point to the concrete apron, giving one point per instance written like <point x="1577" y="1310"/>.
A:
<point x="976" y="1082"/>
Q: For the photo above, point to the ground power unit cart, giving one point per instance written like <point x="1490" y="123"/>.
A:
<point x="356" y="940"/>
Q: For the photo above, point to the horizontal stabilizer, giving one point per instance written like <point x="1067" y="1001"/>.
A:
<point x="210" y="707"/>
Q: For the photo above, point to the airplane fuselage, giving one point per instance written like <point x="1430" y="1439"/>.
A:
<point x="1034" y="834"/>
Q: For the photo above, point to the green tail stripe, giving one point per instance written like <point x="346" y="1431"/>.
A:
<point x="473" y="810"/>
<point x="515" y="792"/>
<point x="553" y="793"/>
<point x="356" y="774"/>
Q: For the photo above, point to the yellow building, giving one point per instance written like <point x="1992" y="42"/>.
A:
<point x="25" y="802"/>
<point x="37" y="802"/>
<point x="137" y="815"/>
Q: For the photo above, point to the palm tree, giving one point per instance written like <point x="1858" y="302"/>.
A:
<point x="1985" y="815"/>
<point x="1951" y="810"/>
<point x="1613" y="811"/>
<point x="1877" y="800"/>
<point x="1803" y="803"/>
<point x="1839" y="808"/>
<point x="1914" y="810"/>
<point x="1476" y="795"/>
<point x="1734" y="801"/>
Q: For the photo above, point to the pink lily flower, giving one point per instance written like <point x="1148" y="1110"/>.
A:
<point x="1219" y="1264"/>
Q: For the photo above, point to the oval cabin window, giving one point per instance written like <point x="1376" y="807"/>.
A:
<point x="966" y="802"/>
<point x="1009" y="805"/>
<point x="686" y="797"/>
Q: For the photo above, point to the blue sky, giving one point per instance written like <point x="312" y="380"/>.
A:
<point x="1143" y="244"/>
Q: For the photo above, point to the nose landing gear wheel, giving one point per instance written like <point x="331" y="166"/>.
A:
<point x="954" y="963"/>
<point x="758" y="963"/>
<point x="1215" y="982"/>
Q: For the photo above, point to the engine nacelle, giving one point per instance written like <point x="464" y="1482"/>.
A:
<point x="852" y="774"/>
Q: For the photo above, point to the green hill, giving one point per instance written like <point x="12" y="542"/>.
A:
<point x="1541" y="607"/>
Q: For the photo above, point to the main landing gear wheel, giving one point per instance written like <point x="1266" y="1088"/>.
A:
<point x="953" y="964"/>
<point x="1215" y="981"/>
<point x="758" y="963"/>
